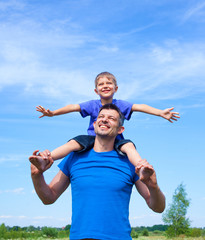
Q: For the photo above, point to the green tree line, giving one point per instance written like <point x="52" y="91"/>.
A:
<point x="16" y="232"/>
<point x="32" y="232"/>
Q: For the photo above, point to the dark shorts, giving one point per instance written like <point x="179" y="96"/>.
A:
<point x="87" y="142"/>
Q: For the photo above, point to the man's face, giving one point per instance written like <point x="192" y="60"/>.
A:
<point x="107" y="123"/>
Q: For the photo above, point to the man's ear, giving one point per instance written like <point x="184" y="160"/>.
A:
<point x="121" y="130"/>
<point x="94" y="124"/>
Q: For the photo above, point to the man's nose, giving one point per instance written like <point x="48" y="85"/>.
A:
<point x="105" y="119"/>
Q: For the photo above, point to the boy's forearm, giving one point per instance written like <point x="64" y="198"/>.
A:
<point x="67" y="109"/>
<point x="146" y="109"/>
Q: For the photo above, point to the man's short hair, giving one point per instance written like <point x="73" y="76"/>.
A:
<point x="114" y="107"/>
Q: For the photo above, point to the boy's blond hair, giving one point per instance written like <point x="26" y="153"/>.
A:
<point x="108" y="75"/>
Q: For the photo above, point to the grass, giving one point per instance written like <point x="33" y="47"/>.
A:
<point x="164" y="238"/>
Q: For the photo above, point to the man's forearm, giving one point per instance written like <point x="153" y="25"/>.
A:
<point x="42" y="189"/>
<point x="156" y="200"/>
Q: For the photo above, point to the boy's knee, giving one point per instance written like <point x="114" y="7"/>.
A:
<point x="127" y="146"/>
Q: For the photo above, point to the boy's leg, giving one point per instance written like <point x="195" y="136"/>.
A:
<point x="85" y="141"/>
<point x="64" y="150"/>
<point x="80" y="143"/>
<point x="127" y="147"/>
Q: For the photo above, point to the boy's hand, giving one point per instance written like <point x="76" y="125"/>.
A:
<point x="46" y="112"/>
<point x="169" y="115"/>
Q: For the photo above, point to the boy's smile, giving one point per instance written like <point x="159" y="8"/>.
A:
<point x="106" y="88"/>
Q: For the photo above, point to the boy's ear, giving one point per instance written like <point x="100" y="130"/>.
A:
<point x="96" y="91"/>
<point x="121" y="130"/>
<point x="116" y="88"/>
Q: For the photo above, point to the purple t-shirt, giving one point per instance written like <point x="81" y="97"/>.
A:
<point x="91" y="108"/>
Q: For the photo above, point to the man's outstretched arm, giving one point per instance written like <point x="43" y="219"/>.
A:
<point x="149" y="189"/>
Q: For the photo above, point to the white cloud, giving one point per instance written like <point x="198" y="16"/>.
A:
<point x="108" y="49"/>
<point x="13" y="158"/>
<point x="57" y="60"/>
<point x="11" y="4"/>
<point x="195" y="10"/>
<point x="15" y="191"/>
<point x="5" y="216"/>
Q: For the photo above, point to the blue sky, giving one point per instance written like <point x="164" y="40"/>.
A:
<point x="51" y="52"/>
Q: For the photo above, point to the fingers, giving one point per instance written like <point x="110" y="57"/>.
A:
<point x="170" y="109"/>
<point x="35" y="152"/>
<point x="45" y="154"/>
<point x="49" y="164"/>
<point x="40" y="108"/>
<point x="143" y="163"/>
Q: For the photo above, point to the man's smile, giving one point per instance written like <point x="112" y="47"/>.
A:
<point x="104" y="126"/>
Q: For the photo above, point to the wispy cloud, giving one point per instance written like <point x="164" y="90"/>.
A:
<point x="59" y="59"/>
<point x="13" y="158"/>
<point x="196" y="10"/>
<point x="11" y="4"/>
<point x="14" y="191"/>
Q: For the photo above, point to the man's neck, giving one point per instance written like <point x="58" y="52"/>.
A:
<point x="103" y="144"/>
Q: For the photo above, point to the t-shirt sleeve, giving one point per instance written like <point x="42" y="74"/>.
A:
<point x="136" y="177"/>
<point x="86" y="108"/>
<point x="64" y="165"/>
<point x="125" y="107"/>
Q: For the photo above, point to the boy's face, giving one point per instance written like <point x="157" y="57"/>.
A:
<point x="106" y="88"/>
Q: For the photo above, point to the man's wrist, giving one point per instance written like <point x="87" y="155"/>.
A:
<point x="36" y="174"/>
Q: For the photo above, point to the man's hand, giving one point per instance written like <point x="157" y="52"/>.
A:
<point x="146" y="173"/>
<point x="46" y="112"/>
<point x="40" y="162"/>
<point x="169" y="115"/>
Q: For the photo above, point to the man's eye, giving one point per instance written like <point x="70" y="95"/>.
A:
<point x="112" y="118"/>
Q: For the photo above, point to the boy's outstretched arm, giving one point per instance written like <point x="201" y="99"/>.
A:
<point x="67" y="109"/>
<point x="166" y="113"/>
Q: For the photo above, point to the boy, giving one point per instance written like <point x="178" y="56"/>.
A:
<point x="105" y="87"/>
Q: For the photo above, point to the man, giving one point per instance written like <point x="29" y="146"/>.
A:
<point x="101" y="182"/>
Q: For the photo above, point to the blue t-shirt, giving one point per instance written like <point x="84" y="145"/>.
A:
<point x="91" y="108"/>
<point x="101" y="185"/>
